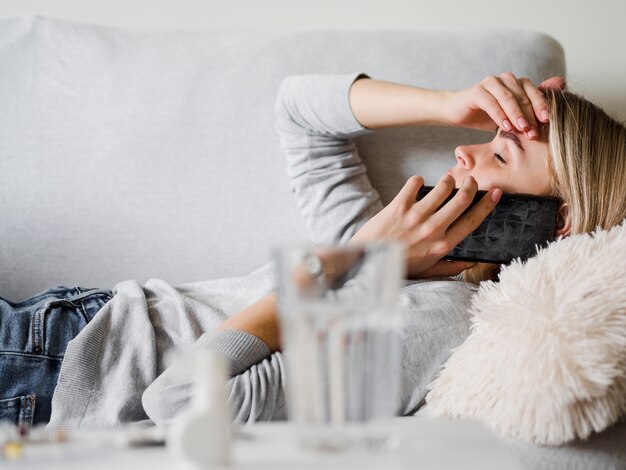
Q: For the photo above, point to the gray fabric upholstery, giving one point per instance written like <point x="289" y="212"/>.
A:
<point x="127" y="155"/>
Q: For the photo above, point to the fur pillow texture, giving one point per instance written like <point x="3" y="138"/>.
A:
<point x="545" y="361"/>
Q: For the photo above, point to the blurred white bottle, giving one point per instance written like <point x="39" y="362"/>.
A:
<point x="202" y="434"/>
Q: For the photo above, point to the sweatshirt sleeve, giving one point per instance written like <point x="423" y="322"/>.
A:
<point x="316" y="127"/>
<point x="255" y="388"/>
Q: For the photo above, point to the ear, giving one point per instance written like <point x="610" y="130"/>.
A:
<point x="563" y="221"/>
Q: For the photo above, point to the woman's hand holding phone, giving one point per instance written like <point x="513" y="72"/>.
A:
<point x="430" y="234"/>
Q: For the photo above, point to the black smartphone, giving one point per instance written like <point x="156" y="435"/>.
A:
<point x="518" y="223"/>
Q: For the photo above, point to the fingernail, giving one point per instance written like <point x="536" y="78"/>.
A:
<point x="522" y="122"/>
<point x="532" y="133"/>
<point x="507" y="124"/>
<point x="545" y="115"/>
<point x="495" y="195"/>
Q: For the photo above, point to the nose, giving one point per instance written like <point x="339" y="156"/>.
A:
<point x="464" y="156"/>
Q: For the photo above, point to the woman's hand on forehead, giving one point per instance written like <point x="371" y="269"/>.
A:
<point x="515" y="104"/>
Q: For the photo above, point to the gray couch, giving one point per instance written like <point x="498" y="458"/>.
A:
<point x="131" y="155"/>
<point x="136" y="155"/>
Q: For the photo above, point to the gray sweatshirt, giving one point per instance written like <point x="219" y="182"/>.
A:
<point x="115" y="371"/>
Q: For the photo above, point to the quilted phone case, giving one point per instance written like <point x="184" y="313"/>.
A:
<point x="518" y="224"/>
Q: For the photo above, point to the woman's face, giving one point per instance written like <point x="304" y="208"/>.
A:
<point x="511" y="162"/>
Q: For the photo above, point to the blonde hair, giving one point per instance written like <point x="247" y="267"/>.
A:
<point x="586" y="168"/>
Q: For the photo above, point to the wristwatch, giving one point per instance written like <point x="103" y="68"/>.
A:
<point x="314" y="268"/>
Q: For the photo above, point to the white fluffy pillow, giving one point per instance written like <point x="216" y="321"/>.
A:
<point x="546" y="357"/>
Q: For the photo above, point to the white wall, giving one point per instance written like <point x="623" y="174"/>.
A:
<point x="592" y="33"/>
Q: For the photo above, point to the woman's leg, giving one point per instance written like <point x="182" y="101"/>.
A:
<point x="33" y="337"/>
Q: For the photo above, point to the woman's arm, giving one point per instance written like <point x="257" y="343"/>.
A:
<point x="503" y="100"/>
<point x="255" y="387"/>
<point x="378" y="104"/>
<point x="259" y="319"/>
<point x="317" y="128"/>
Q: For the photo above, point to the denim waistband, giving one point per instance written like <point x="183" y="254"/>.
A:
<point x="34" y="334"/>
<point x="44" y="323"/>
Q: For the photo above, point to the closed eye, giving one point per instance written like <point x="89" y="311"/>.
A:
<point x="500" y="159"/>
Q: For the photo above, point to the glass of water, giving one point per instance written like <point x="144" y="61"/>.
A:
<point x="341" y="334"/>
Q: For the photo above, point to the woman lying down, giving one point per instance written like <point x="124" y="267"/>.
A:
<point x="95" y="357"/>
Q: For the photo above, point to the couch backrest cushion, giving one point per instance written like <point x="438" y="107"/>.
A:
<point x="131" y="155"/>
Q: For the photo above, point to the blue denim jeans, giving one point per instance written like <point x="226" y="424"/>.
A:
<point x="33" y="337"/>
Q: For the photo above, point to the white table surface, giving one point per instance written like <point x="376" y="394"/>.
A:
<point x="424" y="444"/>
